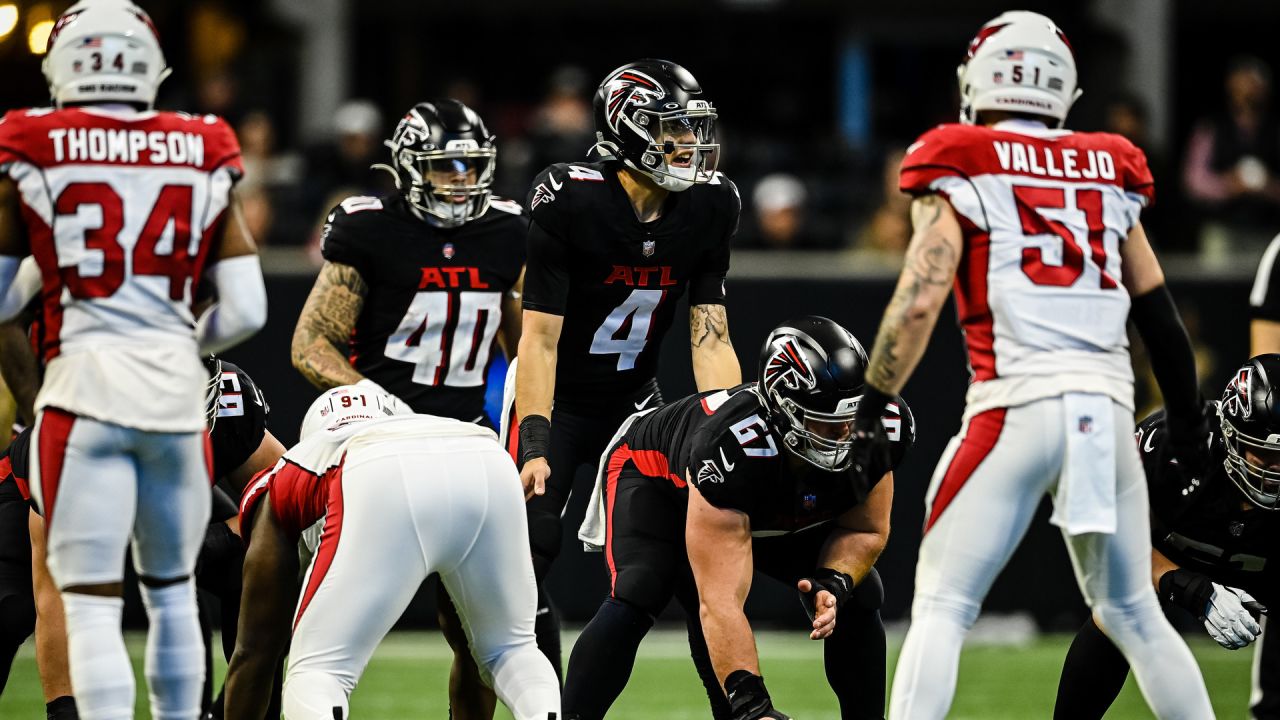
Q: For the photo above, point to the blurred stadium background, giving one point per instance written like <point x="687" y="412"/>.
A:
<point x="817" y="98"/>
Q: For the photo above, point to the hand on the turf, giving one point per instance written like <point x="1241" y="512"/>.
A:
<point x="1229" y="617"/>
<point x="533" y="476"/>
<point x="824" y="619"/>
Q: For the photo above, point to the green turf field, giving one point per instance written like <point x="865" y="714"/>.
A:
<point x="406" y="679"/>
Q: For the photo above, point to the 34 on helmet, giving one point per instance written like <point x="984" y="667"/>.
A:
<point x="1019" y="62"/>
<point x="811" y="378"/>
<point x="104" y="51"/>
<point x="345" y="405"/>
<point x="442" y="157"/>
<point x="1250" y="415"/>
<point x="651" y="115"/>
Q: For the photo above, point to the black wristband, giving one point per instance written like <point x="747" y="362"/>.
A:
<point x="1187" y="589"/>
<point x="746" y="693"/>
<point x="870" y="408"/>
<point x="839" y="584"/>
<point x="535" y="437"/>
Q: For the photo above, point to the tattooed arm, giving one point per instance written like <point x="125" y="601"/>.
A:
<point x="927" y="274"/>
<point x="324" y="328"/>
<point x="715" y="364"/>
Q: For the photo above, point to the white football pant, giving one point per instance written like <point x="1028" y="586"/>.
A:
<point x="406" y="509"/>
<point x="99" y="486"/>
<point x="984" y="494"/>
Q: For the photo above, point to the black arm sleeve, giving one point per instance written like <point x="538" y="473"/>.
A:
<point x="1172" y="360"/>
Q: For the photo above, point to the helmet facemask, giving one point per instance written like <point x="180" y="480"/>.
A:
<point x="450" y="185"/>
<point x="212" y="390"/>
<point x="820" y="439"/>
<point x="1253" y="464"/>
<point x="682" y="150"/>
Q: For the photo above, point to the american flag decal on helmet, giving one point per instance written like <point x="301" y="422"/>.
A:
<point x="628" y="87"/>
<point x="787" y="366"/>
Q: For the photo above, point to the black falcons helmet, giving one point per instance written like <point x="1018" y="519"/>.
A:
<point x="651" y="115"/>
<point x="1250" y="415"/>
<point x="811" y="378"/>
<point x="442" y="157"/>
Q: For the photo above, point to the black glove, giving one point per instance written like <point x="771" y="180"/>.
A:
<point x="748" y="700"/>
<point x="839" y="584"/>
<point x="870" y="452"/>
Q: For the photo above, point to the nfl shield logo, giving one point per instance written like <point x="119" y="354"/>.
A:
<point x="810" y="502"/>
<point x="648" y="247"/>
<point x="1086" y="424"/>
<point x="448" y="251"/>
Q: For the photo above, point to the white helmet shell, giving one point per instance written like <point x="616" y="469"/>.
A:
<point x="343" y="406"/>
<point x="104" y="51"/>
<point x="1019" y="62"/>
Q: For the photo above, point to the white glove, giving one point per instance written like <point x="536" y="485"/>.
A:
<point x="1227" y="619"/>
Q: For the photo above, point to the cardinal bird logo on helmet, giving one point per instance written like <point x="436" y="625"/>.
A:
<point x="787" y="366"/>
<point x="629" y="87"/>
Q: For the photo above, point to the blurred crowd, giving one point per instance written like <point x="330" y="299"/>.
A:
<point x="1218" y="182"/>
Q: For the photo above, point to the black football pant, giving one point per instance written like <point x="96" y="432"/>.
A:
<point x="648" y="565"/>
<point x="578" y="437"/>
<point x="1095" y="670"/>
<point x="218" y="576"/>
<point x="1267" y="675"/>
<point x="17" y="599"/>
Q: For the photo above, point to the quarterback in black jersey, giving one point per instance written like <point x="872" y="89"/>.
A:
<point x="1212" y="538"/>
<point x="417" y="290"/>
<point x="613" y="246"/>
<point x="240" y="446"/>
<point x="695" y="496"/>
<point x="419" y="286"/>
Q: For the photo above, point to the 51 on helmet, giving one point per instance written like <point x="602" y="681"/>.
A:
<point x="1020" y="62"/>
<point x="650" y="114"/>
<point x="1249" y="412"/>
<point x="442" y="158"/>
<point x="811" y="379"/>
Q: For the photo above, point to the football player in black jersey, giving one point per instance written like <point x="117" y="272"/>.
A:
<point x="1212" y="538"/>
<point x="696" y="496"/>
<point x="613" y="246"/>
<point x="417" y="289"/>
<point x="241" y="446"/>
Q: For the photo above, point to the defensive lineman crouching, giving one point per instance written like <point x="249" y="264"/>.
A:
<point x="695" y="497"/>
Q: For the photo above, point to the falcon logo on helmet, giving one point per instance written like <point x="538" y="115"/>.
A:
<point x="1237" y="401"/>
<point x="788" y="366"/>
<point x="625" y="88"/>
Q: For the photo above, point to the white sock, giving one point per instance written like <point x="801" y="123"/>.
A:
<point x="1166" y="671"/>
<point x="175" y="651"/>
<point x="101" y="674"/>
<point x="314" y="695"/>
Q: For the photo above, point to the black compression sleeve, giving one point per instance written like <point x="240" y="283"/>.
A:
<point x="1172" y="359"/>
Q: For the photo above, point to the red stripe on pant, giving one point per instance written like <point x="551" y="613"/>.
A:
<point x="513" y="435"/>
<point x="650" y="463"/>
<point x="980" y="437"/>
<point x="328" y="541"/>
<point x="55" y="428"/>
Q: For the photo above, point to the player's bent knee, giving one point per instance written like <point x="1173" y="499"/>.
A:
<point x="958" y="610"/>
<point x="868" y="595"/>
<point x="314" y="696"/>
<point x="544" y="537"/>
<point x="17" y="619"/>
